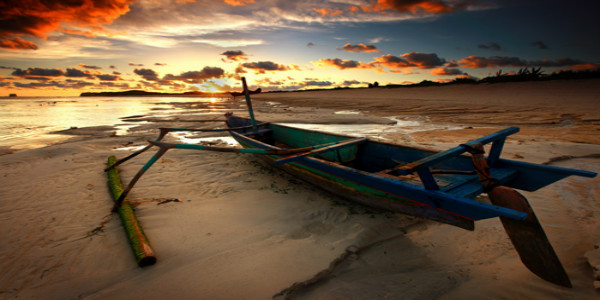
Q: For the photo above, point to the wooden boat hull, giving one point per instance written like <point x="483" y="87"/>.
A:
<point x="355" y="173"/>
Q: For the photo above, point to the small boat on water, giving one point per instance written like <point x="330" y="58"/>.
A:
<point x="440" y="186"/>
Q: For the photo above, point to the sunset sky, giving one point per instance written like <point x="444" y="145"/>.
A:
<point x="65" y="47"/>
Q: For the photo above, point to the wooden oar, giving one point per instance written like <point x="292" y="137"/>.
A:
<point x="527" y="236"/>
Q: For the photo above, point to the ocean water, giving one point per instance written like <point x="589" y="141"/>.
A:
<point x="28" y="122"/>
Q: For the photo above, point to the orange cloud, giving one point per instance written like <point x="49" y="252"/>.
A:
<point x="17" y="43"/>
<point x="38" y="17"/>
<point x="328" y="12"/>
<point x="234" y="55"/>
<point x="79" y="32"/>
<point x="446" y="72"/>
<point x="342" y="64"/>
<point x="413" y="7"/>
<point x="89" y="67"/>
<point x="476" y="62"/>
<point x="193" y="76"/>
<point x="392" y="62"/>
<point x="585" y="66"/>
<point x="410" y="60"/>
<point x="360" y="48"/>
<point x="239" y="2"/>
<point x="263" y="66"/>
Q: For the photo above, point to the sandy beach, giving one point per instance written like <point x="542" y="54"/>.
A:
<point x="241" y="230"/>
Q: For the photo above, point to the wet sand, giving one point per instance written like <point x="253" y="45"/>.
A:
<point x="245" y="231"/>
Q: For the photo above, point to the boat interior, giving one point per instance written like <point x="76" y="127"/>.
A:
<point x="455" y="175"/>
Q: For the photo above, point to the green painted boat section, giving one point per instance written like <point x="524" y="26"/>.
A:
<point x="299" y="138"/>
<point x="333" y="179"/>
<point x="355" y="187"/>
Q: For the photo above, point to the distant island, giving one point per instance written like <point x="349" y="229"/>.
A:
<point x="145" y="93"/>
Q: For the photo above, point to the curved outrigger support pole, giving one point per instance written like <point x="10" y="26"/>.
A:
<point x="164" y="147"/>
<point x="163" y="132"/>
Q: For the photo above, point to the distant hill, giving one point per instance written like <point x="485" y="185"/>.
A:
<point x="152" y="94"/>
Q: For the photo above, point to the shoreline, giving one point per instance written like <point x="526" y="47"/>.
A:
<point x="245" y="231"/>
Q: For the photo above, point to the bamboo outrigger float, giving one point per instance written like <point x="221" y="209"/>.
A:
<point x="440" y="186"/>
<point x="144" y="255"/>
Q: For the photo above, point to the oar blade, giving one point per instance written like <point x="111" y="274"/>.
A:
<point x="529" y="238"/>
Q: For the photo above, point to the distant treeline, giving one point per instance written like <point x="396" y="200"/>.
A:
<point x="524" y="74"/>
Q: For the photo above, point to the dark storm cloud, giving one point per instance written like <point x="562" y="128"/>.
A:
<point x="71" y="72"/>
<point x="424" y="60"/>
<point x="490" y="46"/>
<point x="263" y="66"/>
<point x="410" y="60"/>
<point x="351" y="82"/>
<point x="147" y="74"/>
<point x="107" y="77"/>
<point x="17" y="43"/>
<point x="89" y="67"/>
<point x="446" y="72"/>
<point x="359" y="48"/>
<point x="342" y="64"/>
<point x="476" y="62"/>
<point x="540" y="45"/>
<point x="235" y="55"/>
<point x="196" y="76"/>
<point x="318" y="83"/>
<point x="38" y="72"/>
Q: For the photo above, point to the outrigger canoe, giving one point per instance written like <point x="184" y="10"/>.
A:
<point x="440" y="186"/>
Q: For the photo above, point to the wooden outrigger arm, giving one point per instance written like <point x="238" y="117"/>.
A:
<point x="163" y="132"/>
<point x="164" y="147"/>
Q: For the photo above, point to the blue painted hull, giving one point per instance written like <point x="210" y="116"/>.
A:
<point x="359" y="173"/>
